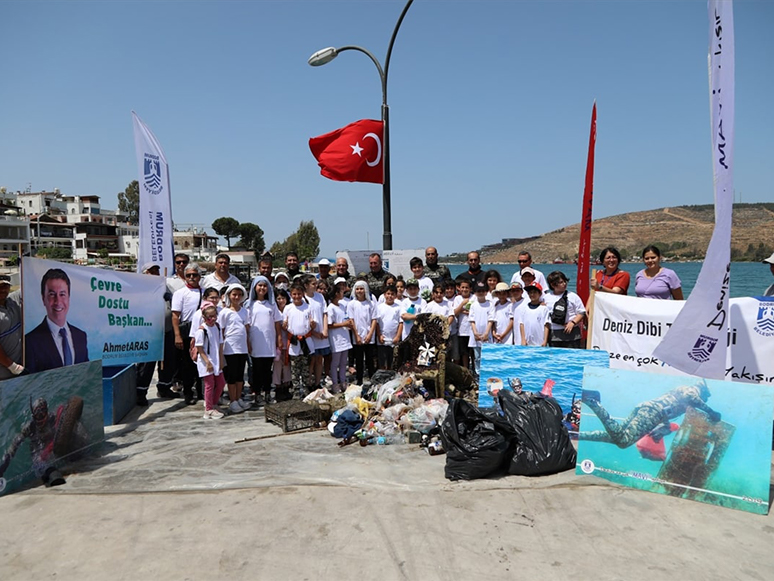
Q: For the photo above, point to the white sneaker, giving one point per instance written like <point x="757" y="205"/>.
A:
<point x="212" y="414"/>
<point x="235" y="408"/>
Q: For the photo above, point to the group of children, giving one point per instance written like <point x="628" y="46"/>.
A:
<point x="291" y="339"/>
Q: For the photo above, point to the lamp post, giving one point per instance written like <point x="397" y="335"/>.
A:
<point x="326" y="55"/>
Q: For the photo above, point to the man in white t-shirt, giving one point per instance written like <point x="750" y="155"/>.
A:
<point x="221" y="277"/>
<point x="185" y="302"/>
<point x="525" y="261"/>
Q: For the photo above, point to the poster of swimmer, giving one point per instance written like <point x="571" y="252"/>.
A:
<point x="557" y="372"/>
<point x="114" y="316"/>
<point x="704" y="440"/>
<point x="48" y="421"/>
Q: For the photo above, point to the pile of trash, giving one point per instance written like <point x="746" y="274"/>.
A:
<point x="399" y="410"/>
<point x="523" y="434"/>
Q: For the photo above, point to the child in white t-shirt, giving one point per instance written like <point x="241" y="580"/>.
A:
<point x="281" y="377"/>
<point x="411" y="306"/>
<point x="339" y="326"/>
<point x="501" y="316"/>
<point x="209" y="360"/>
<point x="234" y="323"/>
<point x="480" y="327"/>
<point x="452" y="348"/>
<point x="265" y="336"/>
<point x="362" y="310"/>
<point x="320" y="334"/>
<point x="389" y="327"/>
<point x="425" y="282"/>
<point x="462" y="303"/>
<point x="298" y="321"/>
<point x="534" y="318"/>
<point x="517" y="299"/>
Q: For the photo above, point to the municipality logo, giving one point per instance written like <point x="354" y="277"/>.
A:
<point x="702" y="348"/>
<point x="152" y="173"/>
<point x="764" y="323"/>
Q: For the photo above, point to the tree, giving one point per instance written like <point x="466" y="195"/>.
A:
<point x="54" y="253"/>
<point x="129" y="202"/>
<point x="251" y="237"/>
<point x="226" y="227"/>
<point x="307" y="241"/>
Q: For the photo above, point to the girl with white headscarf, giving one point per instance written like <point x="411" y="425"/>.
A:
<point x="265" y="334"/>
<point x="362" y="311"/>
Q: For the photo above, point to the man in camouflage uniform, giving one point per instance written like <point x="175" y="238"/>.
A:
<point x="342" y="271"/>
<point x="376" y="276"/>
<point x="434" y="271"/>
<point x="647" y="415"/>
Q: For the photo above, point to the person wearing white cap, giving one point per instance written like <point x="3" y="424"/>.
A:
<point x="10" y="331"/>
<point x="770" y="261"/>
<point x="324" y="266"/>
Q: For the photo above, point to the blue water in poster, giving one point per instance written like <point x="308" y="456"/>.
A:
<point x="740" y="477"/>
<point x="534" y="365"/>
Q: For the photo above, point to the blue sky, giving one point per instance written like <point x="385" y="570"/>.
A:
<point x="490" y="104"/>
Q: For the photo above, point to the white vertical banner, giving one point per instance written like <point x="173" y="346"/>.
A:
<point x="696" y="342"/>
<point x="155" y="216"/>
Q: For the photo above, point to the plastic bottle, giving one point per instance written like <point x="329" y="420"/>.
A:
<point x="391" y="439"/>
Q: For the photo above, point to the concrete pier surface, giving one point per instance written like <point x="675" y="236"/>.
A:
<point x="169" y="495"/>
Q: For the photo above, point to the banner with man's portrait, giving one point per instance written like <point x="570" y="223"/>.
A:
<point x="74" y="314"/>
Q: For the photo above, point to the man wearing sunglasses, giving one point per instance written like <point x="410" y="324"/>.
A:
<point x="185" y="302"/>
<point x="525" y="260"/>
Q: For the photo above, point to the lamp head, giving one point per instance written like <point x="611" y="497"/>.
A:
<point x="323" y="56"/>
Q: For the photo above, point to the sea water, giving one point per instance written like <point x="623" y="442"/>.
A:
<point x="748" y="279"/>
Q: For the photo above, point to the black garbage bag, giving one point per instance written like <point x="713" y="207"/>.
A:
<point x="542" y="443"/>
<point x="476" y="443"/>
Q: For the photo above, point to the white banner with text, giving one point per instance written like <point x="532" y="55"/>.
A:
<point x="630" y="329"/>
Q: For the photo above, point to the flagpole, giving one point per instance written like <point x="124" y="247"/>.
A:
<point x="325" y="56"/>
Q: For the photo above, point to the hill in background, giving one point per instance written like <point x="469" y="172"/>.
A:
<point x="681" y="233"/>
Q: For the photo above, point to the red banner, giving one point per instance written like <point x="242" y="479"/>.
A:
<point x="584" y="248"/>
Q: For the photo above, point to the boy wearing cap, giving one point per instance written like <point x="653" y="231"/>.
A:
<point x="501" y="316"/>
<point x="533" y="318"/>
<point x="10" y="330"/>
<point x="480" y="327"/>
<point x="411" y="306"/>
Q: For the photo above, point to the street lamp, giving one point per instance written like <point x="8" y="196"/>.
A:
<point x="326" y="55"/>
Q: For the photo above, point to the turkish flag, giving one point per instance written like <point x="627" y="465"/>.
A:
<point x="352" y="153"/>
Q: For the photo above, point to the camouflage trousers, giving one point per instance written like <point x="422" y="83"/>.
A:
<point x="300" y="374"/>
<point x="640" y="422"/>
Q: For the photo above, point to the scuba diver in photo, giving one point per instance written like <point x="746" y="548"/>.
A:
<point x="648" y="415"/>
<point x="51" y="437"/>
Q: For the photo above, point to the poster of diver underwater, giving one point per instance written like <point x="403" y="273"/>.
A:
<point x="47" y="420"/>
<point x="700" y="439"/>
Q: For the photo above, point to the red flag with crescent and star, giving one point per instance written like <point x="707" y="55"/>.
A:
<point x="352" y="153"/>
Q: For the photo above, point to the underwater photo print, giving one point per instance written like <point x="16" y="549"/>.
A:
<point x="684" y="436"/>
<point x="555" y="372"/>
<point x="47" y="420"/>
